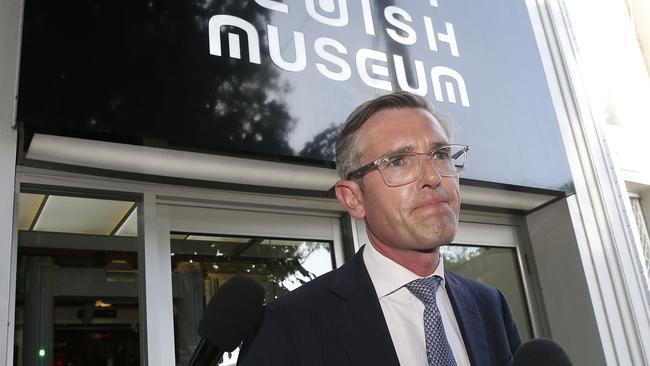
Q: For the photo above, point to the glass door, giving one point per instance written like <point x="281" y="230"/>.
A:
<point x="496" y="267"/>
<point x="77" y="284"/>
<point x="283" y="248"/>
<point x="208" y="246"/>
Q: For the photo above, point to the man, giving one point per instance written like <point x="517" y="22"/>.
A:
<point x="392" y="303"/>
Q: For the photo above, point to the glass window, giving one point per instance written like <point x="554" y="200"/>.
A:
<point x="77" y="281"/>
<point x="201" y="263"/>
<point x="494" y="266"/>
<point x="644" y="237"/>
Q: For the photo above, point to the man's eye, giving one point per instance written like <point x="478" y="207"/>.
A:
<point x="441" y="155"/>
<point x="396" y="162"/>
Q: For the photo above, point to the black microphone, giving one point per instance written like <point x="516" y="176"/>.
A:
<point x="231" y="315"/>
<point x="541" y="351"/>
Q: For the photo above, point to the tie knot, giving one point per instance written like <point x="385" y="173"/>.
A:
<point x="425" y="289"/>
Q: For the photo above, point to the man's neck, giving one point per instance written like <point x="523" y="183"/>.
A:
<point x="422" y="263"/>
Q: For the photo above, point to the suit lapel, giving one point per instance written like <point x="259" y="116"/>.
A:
<point x="358" y="317"/>
<point x="469" y="321"/>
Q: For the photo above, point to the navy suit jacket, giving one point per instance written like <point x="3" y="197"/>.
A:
<point x="336" y="320"/>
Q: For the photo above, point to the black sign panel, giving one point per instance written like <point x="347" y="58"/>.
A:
<point x="275" y="79"/>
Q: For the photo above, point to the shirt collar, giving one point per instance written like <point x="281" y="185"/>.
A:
<point x="388" y="276"/>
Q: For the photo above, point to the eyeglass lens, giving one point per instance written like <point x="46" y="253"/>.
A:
<point x="405" y="168"/>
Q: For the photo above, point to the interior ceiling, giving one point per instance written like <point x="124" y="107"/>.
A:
<point x="77" y="215"/>
<point x="42" y="212"/>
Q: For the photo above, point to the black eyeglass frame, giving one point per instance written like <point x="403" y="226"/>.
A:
<point x="359" y="173"/>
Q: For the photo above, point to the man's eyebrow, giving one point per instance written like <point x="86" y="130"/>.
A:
<point x="436" y="145"/>
<point x="401" y="150"/>
<point x="411" y="148"/>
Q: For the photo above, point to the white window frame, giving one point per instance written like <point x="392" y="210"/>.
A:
<point x="165" y="208"/>
<point x="155" y="224"/>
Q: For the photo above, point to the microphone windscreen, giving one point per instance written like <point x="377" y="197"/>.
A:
<point x="541" y="351"/>
<point x="232" y="313"/>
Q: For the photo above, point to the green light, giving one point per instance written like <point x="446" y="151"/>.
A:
<point x="41" y="352"/>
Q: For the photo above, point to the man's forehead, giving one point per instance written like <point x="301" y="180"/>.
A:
<point x="401" y="130"/>
<point x="402" y="117"/>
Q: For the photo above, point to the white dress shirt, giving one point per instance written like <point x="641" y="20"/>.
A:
<point x="404" y="313"/>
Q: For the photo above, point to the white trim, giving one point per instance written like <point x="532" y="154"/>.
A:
<point x="492" y="197"/>
<point x="179" y="195"/>
<point x="534" y="297"/>
<point x="468" y="233"/>
<point x="472" y="233"/>
<point x="471" y="195"/>
<point x="157" y="305"/>
<point x="10" y="29"/>
<point x="202" y="220"/>
<point x="261" y="203"/>
<point x="218" y="168"/>
<point x="175" y="163"/>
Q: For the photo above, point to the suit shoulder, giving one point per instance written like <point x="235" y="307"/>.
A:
<point x="329" y="287"/>
<point x="306" y="295"/>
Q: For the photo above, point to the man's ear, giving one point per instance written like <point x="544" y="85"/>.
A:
<point x="350" y="195"/>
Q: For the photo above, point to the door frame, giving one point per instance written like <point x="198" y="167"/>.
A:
<point x="161" y="204"/>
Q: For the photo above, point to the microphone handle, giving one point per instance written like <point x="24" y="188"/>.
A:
<point x="205" y="354"/>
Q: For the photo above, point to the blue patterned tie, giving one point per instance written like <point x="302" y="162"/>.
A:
<point x="438" y="350"/>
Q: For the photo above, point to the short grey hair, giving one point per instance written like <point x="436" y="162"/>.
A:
<point x="348" y="151"/>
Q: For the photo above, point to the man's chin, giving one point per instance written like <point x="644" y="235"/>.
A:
<point x="438" y="239"/>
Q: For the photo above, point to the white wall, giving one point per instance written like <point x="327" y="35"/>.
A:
<point x="569" y="33"/>
<point x="565" y="292"/>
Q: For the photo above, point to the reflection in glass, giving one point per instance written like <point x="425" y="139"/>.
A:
<point x="496" y="267"/>
<point x="201" y="263"/>
<point x="142" y="73"/>
<point x="76" y="282"/>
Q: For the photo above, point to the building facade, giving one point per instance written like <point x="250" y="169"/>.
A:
<point x="151" y="151"/>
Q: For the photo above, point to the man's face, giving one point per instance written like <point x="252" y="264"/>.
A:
<point x="421" y="215"/>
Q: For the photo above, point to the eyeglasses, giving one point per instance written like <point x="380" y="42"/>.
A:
<point x="403" y="168"/>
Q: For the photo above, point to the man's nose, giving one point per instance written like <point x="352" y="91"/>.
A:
<point x="429" y="176"/>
